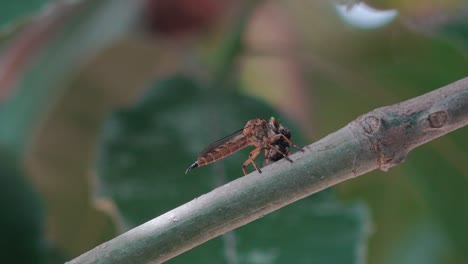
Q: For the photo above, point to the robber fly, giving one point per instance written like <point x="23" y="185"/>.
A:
<point x="270" y="136"/>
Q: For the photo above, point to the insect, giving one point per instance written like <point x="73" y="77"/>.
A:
<point x="270" y="136"/>
<point x="272" y="155"/>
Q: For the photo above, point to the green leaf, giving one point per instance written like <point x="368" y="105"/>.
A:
<point x="311" y="231"/>
<point x="455" y="28"/>
<point x="146" y="149"/>
<point x="413" y="66"/>
<point x="22" y="216"/>
<point x="63" y="40"/>
<point x="12" y="10"/>
<point x="37" y="67"/>
<point x="444" y="188"/>
<point x="423" y="243"/>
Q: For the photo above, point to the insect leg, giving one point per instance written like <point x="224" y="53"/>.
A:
<point x="267" y="160"/>
<point x="275" y="137"/>
<point x="253" y="154"/>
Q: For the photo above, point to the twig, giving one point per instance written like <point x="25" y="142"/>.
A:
<point x="379" y="139"/>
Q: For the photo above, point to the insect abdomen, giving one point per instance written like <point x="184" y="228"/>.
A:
<point x="221" y="151"/>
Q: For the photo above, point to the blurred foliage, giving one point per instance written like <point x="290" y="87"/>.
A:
<point x="21" y="218"/>
<point x="16" y="15"/>
<point x="295" y="59"/>
<point x="13" y="10"/>
<point x="146" y="147"/>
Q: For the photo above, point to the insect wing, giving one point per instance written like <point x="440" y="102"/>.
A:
<point x="233" y="137"/>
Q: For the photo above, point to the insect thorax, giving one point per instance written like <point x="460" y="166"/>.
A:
<point x="256" y="131"/>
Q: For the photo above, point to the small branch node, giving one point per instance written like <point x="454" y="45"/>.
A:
<point x="438" y="119"/>
<point x="371" y="124"/>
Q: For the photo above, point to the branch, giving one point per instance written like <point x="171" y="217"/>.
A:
<point x="379" y="139"/>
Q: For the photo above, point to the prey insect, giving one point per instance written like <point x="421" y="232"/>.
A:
<point x="271" y="137"/>
<point x="281" y="143"/>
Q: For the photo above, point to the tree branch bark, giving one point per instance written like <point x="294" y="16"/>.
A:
<point x="379" y="139"/>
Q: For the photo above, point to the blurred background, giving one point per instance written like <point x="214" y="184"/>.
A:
<point x="104" y="104"/>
